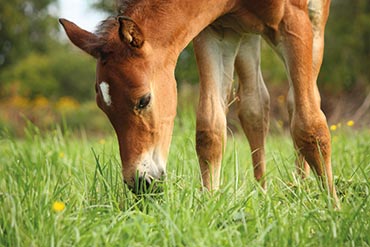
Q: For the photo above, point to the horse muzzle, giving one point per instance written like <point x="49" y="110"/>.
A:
<point x="149" y="175"/>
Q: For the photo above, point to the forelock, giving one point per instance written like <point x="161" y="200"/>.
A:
<point x="107" y="35"/>
<point x="106" y="28"/>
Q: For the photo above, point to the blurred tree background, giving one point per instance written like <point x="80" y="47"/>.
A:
<point x="39" y="67"/>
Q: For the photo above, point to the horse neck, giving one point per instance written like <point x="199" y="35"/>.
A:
<point x="171" y="24"/>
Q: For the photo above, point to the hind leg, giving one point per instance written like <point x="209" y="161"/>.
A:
<point x="254" y="102"/>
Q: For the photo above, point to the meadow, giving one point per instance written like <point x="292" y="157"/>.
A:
<point x="64" y="188"/>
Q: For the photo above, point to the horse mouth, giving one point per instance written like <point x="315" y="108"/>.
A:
<point x="149" y="175"/>
<point x="146" y="185"/>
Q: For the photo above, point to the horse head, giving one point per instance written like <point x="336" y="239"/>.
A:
<point x="135" y="87"/>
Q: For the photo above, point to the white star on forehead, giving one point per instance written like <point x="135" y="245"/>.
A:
<point x="104" y="88"/>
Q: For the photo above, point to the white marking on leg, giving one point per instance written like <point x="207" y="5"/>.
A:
<point x="104" y="88"/>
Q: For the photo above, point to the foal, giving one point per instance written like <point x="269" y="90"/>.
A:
<point x="136" y="54"/>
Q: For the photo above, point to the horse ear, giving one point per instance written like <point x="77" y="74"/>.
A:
<point x="130" y="32"/>
<point x="80" y="37"/>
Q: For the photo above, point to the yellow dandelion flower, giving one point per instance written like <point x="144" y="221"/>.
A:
<point x="61" y="155"/>
<point x="58" y="206"/>
<point x="350" y="123"/>
<point x="102" y="141"/>
<point x="333" y="127"/>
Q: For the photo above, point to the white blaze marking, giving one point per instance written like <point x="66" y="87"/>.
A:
<point x="104" y="88"/>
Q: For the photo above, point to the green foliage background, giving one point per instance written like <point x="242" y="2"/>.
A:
<point x="347" y="46"/>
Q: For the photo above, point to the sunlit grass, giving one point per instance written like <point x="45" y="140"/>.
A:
<point x="65" y="189"/>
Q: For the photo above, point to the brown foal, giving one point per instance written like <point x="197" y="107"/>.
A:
<point x="136" y="54"/>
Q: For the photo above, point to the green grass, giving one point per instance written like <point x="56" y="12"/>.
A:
<point x="84" y="173"/>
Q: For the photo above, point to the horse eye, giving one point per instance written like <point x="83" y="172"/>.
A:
<point x="144" y="101"/>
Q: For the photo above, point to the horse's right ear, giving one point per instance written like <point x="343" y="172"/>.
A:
<point x="130" y="32"/>
<point x="80" y="37"/>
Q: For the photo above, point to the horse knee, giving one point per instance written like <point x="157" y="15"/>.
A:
<point x="209" y="145"/>
<point x="210" y="132"/>
<point x="254" y="111"/>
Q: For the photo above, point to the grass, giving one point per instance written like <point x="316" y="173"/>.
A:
<point x="83" y="174"/>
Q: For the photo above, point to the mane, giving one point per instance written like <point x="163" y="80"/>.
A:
<point x="123" y="5"/>
<point x="136" y="7"/>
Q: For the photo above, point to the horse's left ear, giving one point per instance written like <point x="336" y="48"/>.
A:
<point x="81" y="38"/>
<point x="130" y="32"/>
